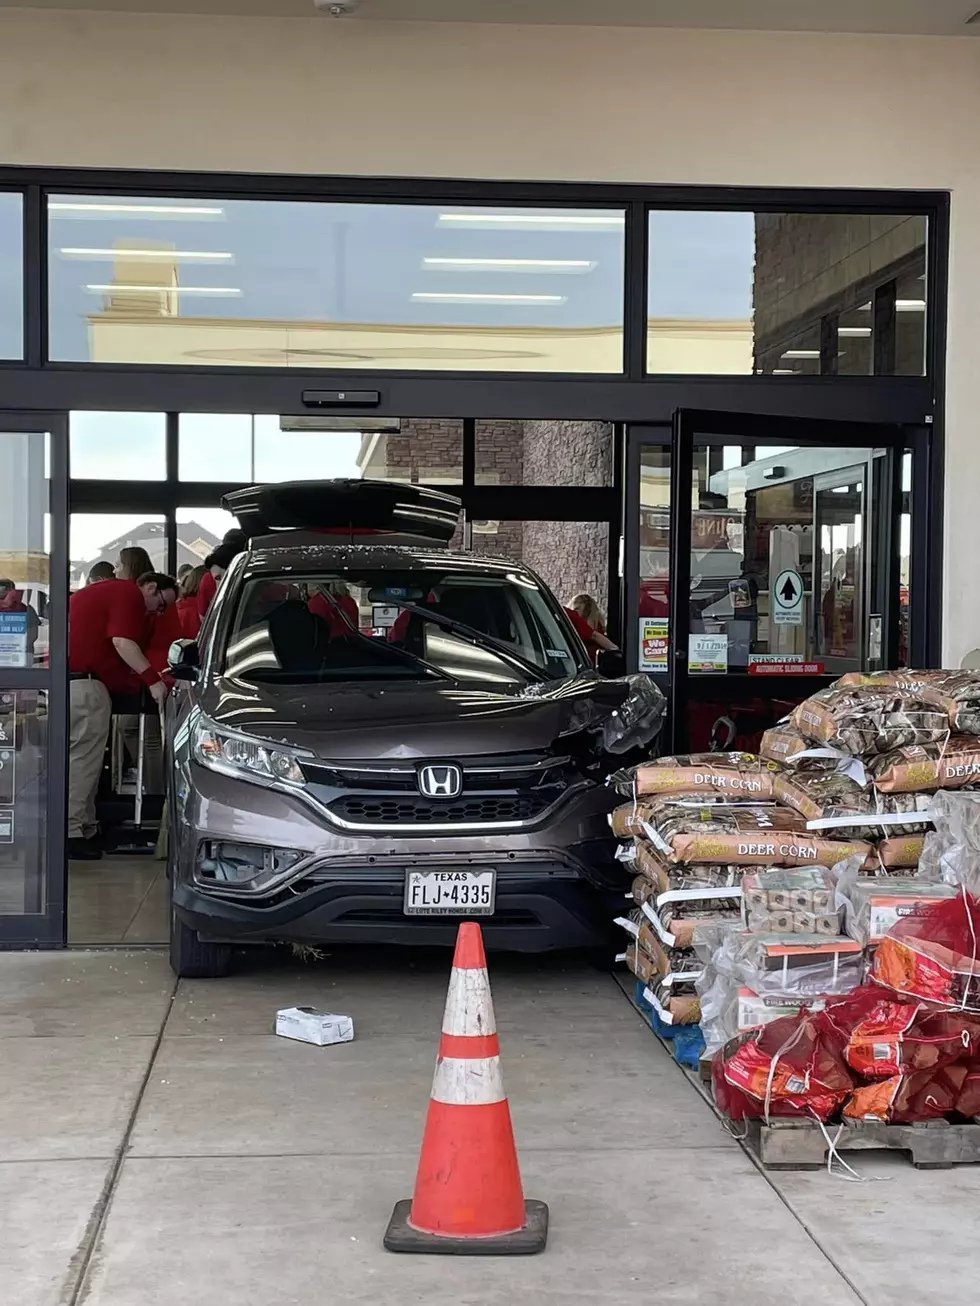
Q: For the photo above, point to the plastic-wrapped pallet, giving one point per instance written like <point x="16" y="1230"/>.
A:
<point x="745" y="982"/>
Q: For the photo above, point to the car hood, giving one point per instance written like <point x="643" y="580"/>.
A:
<point x="411" y="720"/>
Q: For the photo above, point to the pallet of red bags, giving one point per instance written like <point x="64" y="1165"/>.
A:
<point x="894" y="1064"/>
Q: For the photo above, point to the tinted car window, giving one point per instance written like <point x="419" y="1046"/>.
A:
<point x="475" y="625"/>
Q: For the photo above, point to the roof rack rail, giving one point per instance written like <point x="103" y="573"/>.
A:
<point x="346" y="508"/>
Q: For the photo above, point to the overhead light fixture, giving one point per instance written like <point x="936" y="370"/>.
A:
<point x="854" y="332"/>
<point x="474" y="298"/>
<point x="553" y="221"/>
<point x="136" y="210"/>
<point x="129" y="286"/>
<point x="201" y="255"/>
<point x="910" y="305"/>
<point x="512" y="264"/>
<point x="801" y="353"/>
<point x="784" y="371"/>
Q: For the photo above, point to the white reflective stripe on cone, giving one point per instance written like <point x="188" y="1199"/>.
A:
<point x="468" y="1081"/>
<point x="468" y="1006"/>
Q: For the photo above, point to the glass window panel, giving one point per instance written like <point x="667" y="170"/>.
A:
<point x="199" y="532"/>
<point x="570" y="557"/>
<point x="24" y="548"/>
<point x="11" y="275"/>
<point x="544" y="453"/>
<point x="777" y="561"/>
<point x="118" y="446"/>
<point x="23" y="800"/>
<point x="98" y="537"/>
<point x="281" y="284"/>
<point x="240" y="448"/>
<point x="773" y="293"/>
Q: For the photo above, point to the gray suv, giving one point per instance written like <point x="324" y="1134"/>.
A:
<point x="376" y="735"/>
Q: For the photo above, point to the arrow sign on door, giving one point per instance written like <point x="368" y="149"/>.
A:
<point x="787" y="592"/>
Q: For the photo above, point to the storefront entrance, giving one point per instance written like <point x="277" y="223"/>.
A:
<point x="717" y="411"/>
<point x="766" y="557"/>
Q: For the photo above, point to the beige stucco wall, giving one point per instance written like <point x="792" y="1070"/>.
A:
<point x="353" y="96"/>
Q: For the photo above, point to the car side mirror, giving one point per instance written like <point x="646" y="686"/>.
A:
<point x="610" y="662"/>
<point x="184" y="659"/>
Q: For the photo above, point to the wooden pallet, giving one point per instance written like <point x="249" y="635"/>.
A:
<point x="801" y="1145"/>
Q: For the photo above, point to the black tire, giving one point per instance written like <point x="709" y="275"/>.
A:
<point x="192" y="959"/>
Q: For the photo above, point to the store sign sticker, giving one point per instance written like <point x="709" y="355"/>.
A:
<point x="787" y="599"/>
<point x="13" y="639"/>
<point x="708" y="653"/>
<point x="783" y="664"/>
<point x="653" y="643"/>
<point x="6" y="825"/>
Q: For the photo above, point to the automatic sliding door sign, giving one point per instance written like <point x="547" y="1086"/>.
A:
<point x="787" y="599"/>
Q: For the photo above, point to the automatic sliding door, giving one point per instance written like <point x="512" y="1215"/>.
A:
<point x="778" y="583"/>
<point x="33" y="677"/>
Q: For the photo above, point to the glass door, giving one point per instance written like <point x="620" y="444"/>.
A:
<point x="33" y="677"/>
<point x="763" y="562"/>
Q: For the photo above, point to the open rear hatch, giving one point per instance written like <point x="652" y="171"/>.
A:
<point x="345" y="511"/>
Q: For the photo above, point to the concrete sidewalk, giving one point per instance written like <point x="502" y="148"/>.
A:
<point x="158" y="1145"/>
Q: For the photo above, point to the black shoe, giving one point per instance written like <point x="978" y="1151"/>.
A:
<point x="84" y="850"/>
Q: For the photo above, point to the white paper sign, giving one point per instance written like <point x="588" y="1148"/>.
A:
<point x="708" y="653"/>
<point x="787" y="599"/>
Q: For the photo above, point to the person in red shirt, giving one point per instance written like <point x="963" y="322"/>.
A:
<point x="217" y="563"/>
<point x="190" y="618"/>
<point x="335" y="604"/>
<point x="164" y="626"/>
<point x="586" y="616"/>
<point x="105" y="628"/>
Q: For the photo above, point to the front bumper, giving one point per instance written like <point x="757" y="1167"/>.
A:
<point x="539" y="907"/>
<point x="558" y="883"/>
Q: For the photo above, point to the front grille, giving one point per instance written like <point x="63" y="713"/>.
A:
<point x="490" y="809"/>
<point x="513" y="788"/>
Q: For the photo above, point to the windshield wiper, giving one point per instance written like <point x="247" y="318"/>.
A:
<point x="479" y="638"/>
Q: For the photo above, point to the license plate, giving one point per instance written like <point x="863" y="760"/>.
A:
<point x="450" y="893"/>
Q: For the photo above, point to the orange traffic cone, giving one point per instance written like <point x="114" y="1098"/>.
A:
<point x="468" y="1197"/>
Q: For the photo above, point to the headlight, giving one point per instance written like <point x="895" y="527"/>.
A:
<point x="244" y="758"/>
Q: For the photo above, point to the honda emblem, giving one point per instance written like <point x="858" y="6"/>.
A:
<point x="443" y="781"/>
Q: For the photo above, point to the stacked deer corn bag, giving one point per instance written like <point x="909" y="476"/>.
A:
<point x="868" y="754"/>
<point x="694" y="827"/>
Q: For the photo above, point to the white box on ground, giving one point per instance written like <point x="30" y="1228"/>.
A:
<point x="309" y="1026"/>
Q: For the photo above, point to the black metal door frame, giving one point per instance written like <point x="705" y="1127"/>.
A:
<point x="47" y="927"/>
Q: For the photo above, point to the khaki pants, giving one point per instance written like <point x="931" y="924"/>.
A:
<point x="90" y="710"/>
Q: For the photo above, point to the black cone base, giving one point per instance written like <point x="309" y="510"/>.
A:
<point x="401" y="1237"/>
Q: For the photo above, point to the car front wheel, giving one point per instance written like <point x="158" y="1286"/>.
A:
<point x="190" y="958"/>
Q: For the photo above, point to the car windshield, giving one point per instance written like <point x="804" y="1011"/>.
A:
<point x="429" y="623"/>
